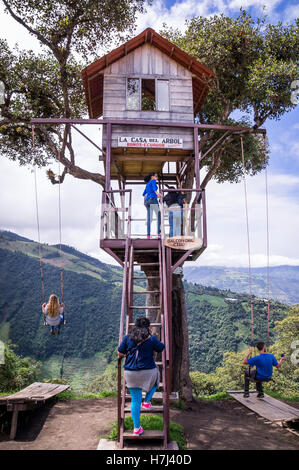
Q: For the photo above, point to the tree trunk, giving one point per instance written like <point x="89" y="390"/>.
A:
<point x="180" y="341"/>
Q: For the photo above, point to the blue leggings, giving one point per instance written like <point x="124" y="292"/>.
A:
<point x="136" y="400"/>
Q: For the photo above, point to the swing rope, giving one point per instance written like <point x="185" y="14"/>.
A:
<point x="268" y="251"/>
<point x="38" y="225"/>
<point x="248" y="246"/>
<point x="59" y="216"/>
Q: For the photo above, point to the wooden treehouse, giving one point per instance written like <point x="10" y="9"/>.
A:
<point x="148" y="91"/>
<point x="145" y="95"/>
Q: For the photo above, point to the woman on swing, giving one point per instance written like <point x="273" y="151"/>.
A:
<point x="53" y="313"/>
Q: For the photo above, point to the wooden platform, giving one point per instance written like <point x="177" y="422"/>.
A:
<point x="107" y="444"/>
<point x="267" y="407"/>
<point x="29" y="398"/>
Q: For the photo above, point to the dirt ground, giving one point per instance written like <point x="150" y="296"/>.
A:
<point x="78" y="425"/>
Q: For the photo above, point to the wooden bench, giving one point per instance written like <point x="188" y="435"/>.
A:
<point x="267" y="407"/>
<point x="29" y="398"/>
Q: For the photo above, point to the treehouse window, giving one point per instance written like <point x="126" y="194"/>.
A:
<point x="133" y="93"/>
<point x="147" y="94"/>
<point x="163" y="95"/>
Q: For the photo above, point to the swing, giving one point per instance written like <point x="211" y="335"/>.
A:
<point x="39" y="243"/>
<point x="249" y="254"/>
<point x="249" y="373"/>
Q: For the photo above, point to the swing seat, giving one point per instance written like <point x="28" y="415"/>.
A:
<point x="253" y="379"/>
<point x="61" y="324"/>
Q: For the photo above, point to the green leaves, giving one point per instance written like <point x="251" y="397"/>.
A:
<point x="255" y="64"/>
<point x="16" y="372"/>
<point x="59" y="23"/>
<point x="50" y="84"/>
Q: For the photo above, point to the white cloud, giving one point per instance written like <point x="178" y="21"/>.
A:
<point x="266" y="5"/>
<point x="176" y="15"/>
<point x="80" y="200"/>
<point x="291" y="13"/>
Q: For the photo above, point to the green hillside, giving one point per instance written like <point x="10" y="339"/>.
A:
<point x="219" y="321"/>
<point x="92" y="294"/>
<point x="283" y="280"/>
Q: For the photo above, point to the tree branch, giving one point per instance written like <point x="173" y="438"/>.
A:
<point x="70" y="168"/>
<point x="39" y="36"/>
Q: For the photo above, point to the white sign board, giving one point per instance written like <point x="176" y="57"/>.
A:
<point x="184" y="243"/>
<point x="151" y="142"/>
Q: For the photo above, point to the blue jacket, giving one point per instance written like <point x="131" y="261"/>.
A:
<point x="140" y="357"/>
<point x="150" y="190"/>
<point x="264" y="365"/>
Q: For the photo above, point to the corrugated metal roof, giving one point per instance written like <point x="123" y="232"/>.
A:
<point x="93" y="79"/>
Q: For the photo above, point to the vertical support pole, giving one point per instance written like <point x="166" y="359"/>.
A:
<point x="169" y="306"/>
<point x="108" y="157"/>
<point x="204" y="218"/>
<point x="196" y="156"/>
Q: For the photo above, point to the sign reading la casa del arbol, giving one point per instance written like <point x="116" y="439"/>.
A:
<point x="151" y="142"/>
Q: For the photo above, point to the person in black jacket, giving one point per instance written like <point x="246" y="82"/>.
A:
<point x="175" y="200"/>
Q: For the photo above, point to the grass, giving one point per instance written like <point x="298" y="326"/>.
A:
<point x="154" y="422"/>
<point x="179" y="404"/>
<point x="280" y="396"/>
<point x="215" y="397"/>
<point x="77" y="372"/>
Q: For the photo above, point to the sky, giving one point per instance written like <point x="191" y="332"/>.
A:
<point x="227" y="242"/>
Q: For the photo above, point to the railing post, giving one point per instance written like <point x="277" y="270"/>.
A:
<point x="196" y="156"/>
<point x="108" y="156"/>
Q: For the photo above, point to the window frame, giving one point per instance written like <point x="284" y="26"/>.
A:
<point x="146" y="77"/>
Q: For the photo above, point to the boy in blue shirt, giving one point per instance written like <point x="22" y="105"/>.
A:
<point x="264" y="369"/>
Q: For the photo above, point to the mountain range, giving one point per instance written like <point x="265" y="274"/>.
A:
<point x="284" y="280"/>
<point x="218" y="320"/>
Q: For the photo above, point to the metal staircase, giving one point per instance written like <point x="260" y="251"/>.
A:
<point x="136" y="254"/>
<point x="140" y="258"/>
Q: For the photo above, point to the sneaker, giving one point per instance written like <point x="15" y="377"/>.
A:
<point x="260" y="395"/>
<point x="246" y="395"/>
<point x="138" y="432"/>
<point x="146" y="406"/>
<point x="148" y="237"/>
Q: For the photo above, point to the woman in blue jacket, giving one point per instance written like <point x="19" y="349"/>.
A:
<point x="151" y="194"/>
<point x="141" y="372"/>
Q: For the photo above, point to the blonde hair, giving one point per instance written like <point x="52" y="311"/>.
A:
<point x="53" y="306"/>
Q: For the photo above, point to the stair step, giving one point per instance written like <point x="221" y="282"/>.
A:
<point x="152" y="324"/>
<point x="148" y="434"/>
<point x="147" y="292"/>
<point x="146" y="264"/>
<point x="154" y="409"/>
<point x="149" y="277"/>
<point x="145" y="307"/>
<point x="145" y="251"/>
<point x="158" y="396"/>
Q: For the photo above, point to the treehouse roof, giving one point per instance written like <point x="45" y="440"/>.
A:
<point x="93" y="73"/>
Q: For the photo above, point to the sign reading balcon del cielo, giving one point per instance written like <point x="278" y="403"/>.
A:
<point x="170" y="142"/>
